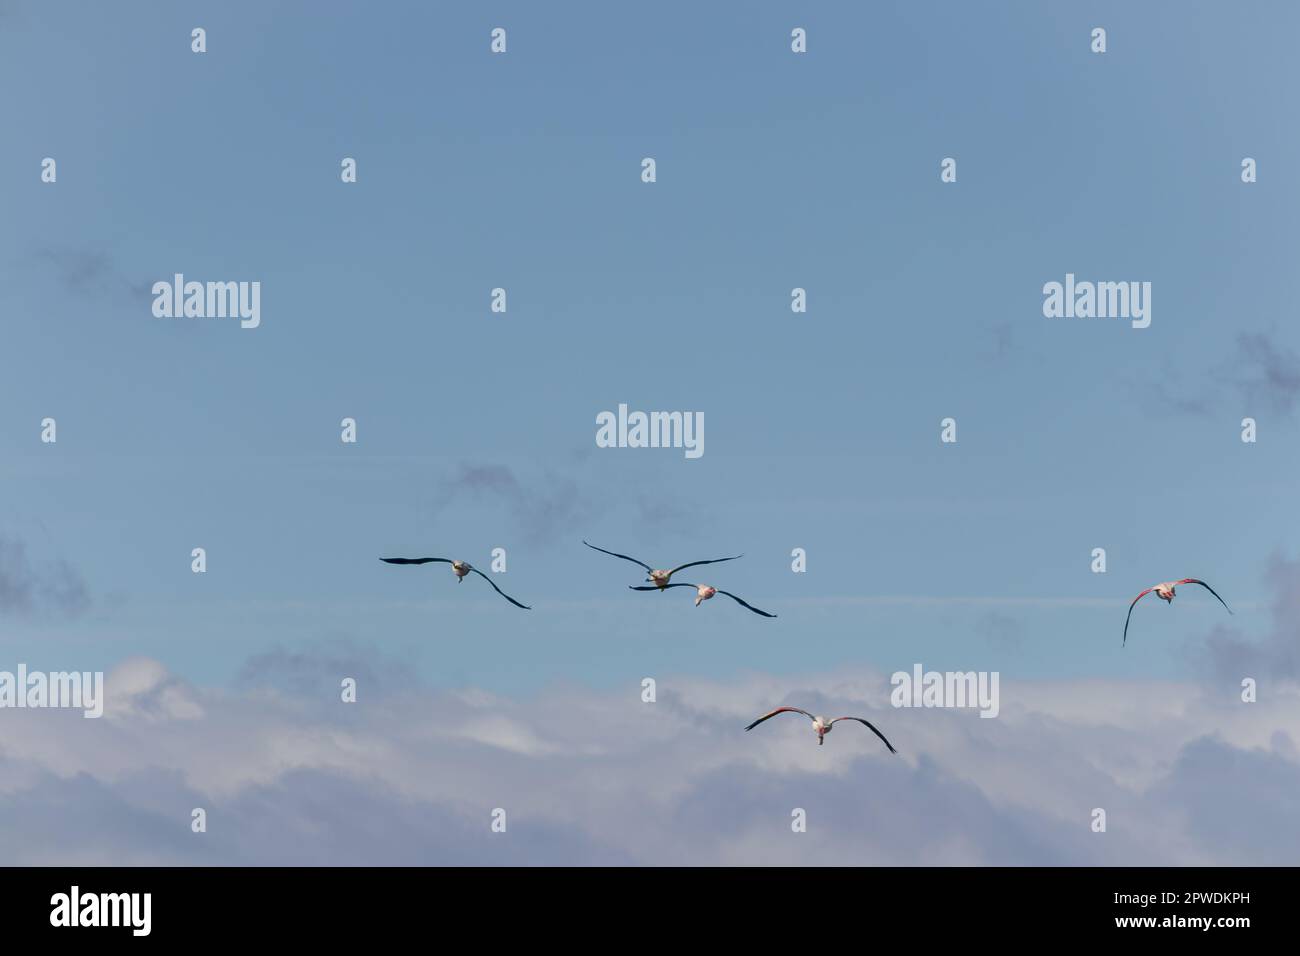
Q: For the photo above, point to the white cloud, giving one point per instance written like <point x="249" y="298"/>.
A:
<point x="1188" y="774"/>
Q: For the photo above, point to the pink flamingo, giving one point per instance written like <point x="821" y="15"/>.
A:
<point x="460" y="569"/>
<point x="702" y="593"/>
<point x="822" y="725"/>
<point x="657" y="576"/>
<point x="1165" y="591"/>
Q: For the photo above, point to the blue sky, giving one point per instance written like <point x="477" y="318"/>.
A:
<point x="522" y="171"/>
<point x="477" y="430"/>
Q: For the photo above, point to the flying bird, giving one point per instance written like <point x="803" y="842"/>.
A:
<point x="460" y="569"/>
<point x="1165" y="591"/>
<point x="822" y="725"/>
<point x="658" y="576"/>
<point x="702" y="593"/>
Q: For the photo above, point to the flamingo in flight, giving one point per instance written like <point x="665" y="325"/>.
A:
<point x="460" y="569"/>
<point x="822" y="725"/>
<point x="702" y="593"/>
<point x="657" y="576"/>
<point x="1165" y="591"/>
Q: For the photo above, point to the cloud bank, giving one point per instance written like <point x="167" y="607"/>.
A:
<point x="1187" y="774"/>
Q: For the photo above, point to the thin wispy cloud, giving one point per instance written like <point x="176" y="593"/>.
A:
<point x="955" y="600"/>
<point x="1266" y="372"/>
<point x="318" y="673"/>
<point x="28" y="586"/>
<point x="544" y="508"/>
<point x="1233" y="653"/>
<point x="1170" y="393"/>
<point x="547" y="504"/>
<point x="91" y="273"/>
<point x="1261" y="374"/>
<point x="1001" y="630"/>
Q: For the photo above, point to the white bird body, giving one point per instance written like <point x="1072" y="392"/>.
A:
<point x="703" y="592"/>
<point x="1166" y="590"/>
<point x="821" y="725"/>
